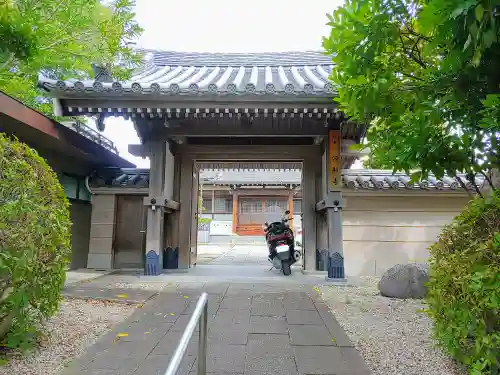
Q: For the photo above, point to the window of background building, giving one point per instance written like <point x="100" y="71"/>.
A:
<point x="207" y="205"/>
<point x="223" y="202"/>
<point x="281" y="203"/>
<point x="250" y="205"/>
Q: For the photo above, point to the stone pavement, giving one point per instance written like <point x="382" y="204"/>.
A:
<point x="245" y="255"/>
<point x="254" y="329"/>
<point x="209" y="252"/>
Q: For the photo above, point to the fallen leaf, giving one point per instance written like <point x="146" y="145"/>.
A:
<point x="122" y="295"/>
<point x="186" y="297"/>
<point x="123" y="334"/>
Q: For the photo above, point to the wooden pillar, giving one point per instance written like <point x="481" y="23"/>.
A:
<point x="195" y="214"/>
<point x="309" y="170"/>
<point x="155" y="214"/>
<point x="290" y="207"/>
<point x="334" y="205"/>
<point x="235" y="211"/>
<point x="212" y="208"/>
<point x="186" y="207"/>
<point x="172" y="238"/>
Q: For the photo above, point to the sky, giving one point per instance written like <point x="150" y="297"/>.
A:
<point x="223" y="26"/>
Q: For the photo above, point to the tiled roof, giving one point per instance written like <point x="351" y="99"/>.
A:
<point x="365" y="179"/>
<point x="195" y="74"/>
<point x="251" y="177"/>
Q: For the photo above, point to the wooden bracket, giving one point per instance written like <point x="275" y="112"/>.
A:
<point x="160" y="201"/>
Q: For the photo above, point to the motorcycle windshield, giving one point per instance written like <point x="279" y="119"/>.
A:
<point x="273" y="214"/>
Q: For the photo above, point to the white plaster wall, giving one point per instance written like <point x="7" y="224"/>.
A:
<point x="380" y="232"/>
<point x="223" y="217"/>
<point x="221" y="228"/>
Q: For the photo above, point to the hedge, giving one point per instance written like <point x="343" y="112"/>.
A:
<point x="464" y="288"/>
<point x="34" y="243"/>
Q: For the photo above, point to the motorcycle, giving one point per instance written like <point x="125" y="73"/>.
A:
<point x="281" y="244"/>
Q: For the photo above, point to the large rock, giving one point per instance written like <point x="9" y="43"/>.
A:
<point x="404" y="281"/>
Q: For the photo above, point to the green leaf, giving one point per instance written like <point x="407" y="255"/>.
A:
<point x="474" y="29"/>
<point x="415" y="176"/>
<point x="489" y="37"/>
<point x="479" y="12"/>
<point x="467" y="42"/>
<point x="476" y="59"/>
<point x="357" y="147"/>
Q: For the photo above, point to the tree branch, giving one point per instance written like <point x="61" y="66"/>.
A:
<point x="410" y="54"/>
<point x="63" y="40"/>
<point x="461" y="183"/>
<point x="54" y="11"/>
<point x="490" y="182"/>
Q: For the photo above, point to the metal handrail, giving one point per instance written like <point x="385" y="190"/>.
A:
<point x="200" y="314"/>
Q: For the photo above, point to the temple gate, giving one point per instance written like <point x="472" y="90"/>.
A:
<point x="241" y="109"/>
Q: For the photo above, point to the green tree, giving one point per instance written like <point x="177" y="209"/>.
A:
<point x="423" y="75"/>
<point x="62" y="38"/>
<point x="34" y="243"/>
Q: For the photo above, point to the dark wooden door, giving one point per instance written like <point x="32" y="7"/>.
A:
<point x="130" y="234"/>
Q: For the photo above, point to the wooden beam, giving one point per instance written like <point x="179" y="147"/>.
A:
<point x="242" y="153"/>
<point x="234" y="127"/>
<point x="18" y="111"/>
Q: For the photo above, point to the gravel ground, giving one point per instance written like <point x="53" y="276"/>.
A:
<point x="77" y="325"/>
<point x="392" y="335"/>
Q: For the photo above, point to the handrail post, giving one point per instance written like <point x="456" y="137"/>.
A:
<point x="200" y="316"/>
<point x="202" y="342"/>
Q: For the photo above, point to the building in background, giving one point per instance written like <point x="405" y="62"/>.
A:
<point x="240" y="202"/>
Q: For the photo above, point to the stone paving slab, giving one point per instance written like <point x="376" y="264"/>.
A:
<point x="270" y="355"/>
<point x="253" y="329"/>
<point x="304" y="317"/>
<point x="331" y="360"/>
<point x="268" y="325"/>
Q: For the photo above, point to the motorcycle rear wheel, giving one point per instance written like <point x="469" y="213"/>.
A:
<point x="286" y="268"/>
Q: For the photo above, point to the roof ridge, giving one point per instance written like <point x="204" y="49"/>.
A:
<point x="162" y="58"/>
<point x="152" y="50"/>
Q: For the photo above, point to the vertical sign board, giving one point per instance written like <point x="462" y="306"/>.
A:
<point x="334" y="161"/>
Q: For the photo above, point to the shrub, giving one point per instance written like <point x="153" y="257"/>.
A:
<point x="34" y="242"/>
<point x="464" y="287"/>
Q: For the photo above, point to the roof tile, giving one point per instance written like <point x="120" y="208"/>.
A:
<point x="353" y="179"/>
<point x="186" y="73"/>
